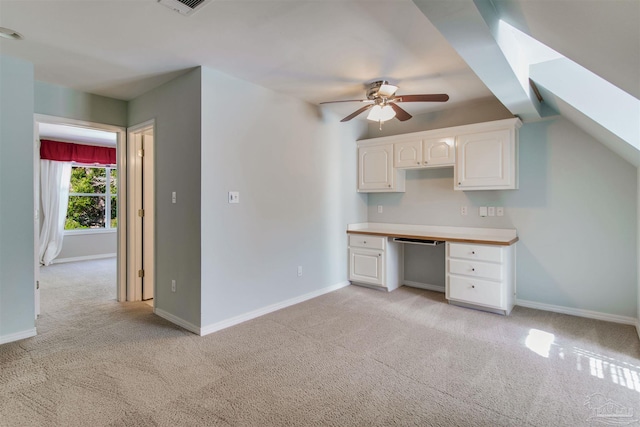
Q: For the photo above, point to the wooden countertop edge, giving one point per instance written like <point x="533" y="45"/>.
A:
<point x="425" y="237"/>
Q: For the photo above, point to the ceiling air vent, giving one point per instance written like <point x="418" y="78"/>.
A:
<point x="184" y="7"/>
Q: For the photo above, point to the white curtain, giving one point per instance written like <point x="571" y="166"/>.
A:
<point x="54" y="197"/>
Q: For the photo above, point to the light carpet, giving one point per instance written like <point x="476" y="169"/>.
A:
<point x="354" y="357"/>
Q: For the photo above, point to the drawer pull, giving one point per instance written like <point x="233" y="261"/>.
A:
<point x="473" y="252"/>
<point x="473" y="269"/>
<point x="473" y="286"/>
<point x="365" y="242"/>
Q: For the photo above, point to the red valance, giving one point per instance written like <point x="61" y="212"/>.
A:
<point x="69" y="152"/>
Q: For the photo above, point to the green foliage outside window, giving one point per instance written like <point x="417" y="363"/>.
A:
<point x="88" y="197"/>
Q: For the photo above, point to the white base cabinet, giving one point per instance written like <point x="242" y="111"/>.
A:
<point x="481" y="276"/>
<point x="375" y="261"/>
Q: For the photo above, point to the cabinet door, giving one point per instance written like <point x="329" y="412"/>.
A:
<point x="375" y="167"/>
<point x="439" y="152"/>
<point x="485" y="161"/>
<point x="408" y="154"/>
<point x="366" y="266"/>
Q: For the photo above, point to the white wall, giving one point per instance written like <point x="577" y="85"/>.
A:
<point x="575" y="213"/>
<point x="17" y="260"/>
<point x="296" y="174"/>
<point x="88" y="245"/>
<point x="175" y="106"/>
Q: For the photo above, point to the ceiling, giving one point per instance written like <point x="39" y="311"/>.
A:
<point x="311" y="50"/>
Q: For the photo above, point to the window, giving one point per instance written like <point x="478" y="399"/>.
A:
<point x="92" y="198"/>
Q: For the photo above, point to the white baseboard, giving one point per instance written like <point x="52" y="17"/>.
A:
<point x="269" y="309"/>
<point x="83" y="258"/>
<point x="4" y="339"/>
<point x="625" y="320"/>
<point x="177" y="320"/>
<point x="424" y="286"/>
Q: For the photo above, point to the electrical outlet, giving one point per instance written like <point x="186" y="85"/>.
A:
<point x="491" y="210"/>
<point x="379" y="208"/>
<point x="500" y="211"/>
<point x="234" y="197"/>
<point x="299" y="270"/>
<point x="173" y="285"/>
<point x="173" y="197"/>
<point x="463" y="210"/>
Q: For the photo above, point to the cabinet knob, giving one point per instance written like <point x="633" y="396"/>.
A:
<point x="389" y="185"/>
<point x="425" y="162"/>
<point x="418" y="162"/>
<point x="459" y="183"/>
<point x="473" y="252"/>
<point x="473" y="286"/>
<point x="365" y="242"/>
<point x="473" y="269"/>
<point x="379" y="254"/>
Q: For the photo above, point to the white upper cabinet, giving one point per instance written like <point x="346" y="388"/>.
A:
<point x="439" y="152"/>
<point x="486" y="161"/>
<point x="484" y="156"/>
<point x="408" y="154"/>
<point x="424" y="153"/>
<point x="376" y="172"/>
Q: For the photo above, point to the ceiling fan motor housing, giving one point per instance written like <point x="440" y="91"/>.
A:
<point x="374" y="87"/>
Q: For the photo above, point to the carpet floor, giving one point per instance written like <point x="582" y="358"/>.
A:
<point x="354" y="357"/>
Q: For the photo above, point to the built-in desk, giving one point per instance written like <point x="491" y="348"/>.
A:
<point x="479" y="267"/>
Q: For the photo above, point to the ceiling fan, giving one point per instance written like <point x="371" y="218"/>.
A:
<point x="382" y="102"/>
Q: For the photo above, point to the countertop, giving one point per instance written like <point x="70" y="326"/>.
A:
<point x="487" y="236"/>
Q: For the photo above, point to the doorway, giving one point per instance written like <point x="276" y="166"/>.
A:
<point x="86" y="133"/>
<point x="141" y="200"/>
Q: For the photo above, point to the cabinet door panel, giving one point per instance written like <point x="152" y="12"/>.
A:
<point x="439" y="152"/>
<point x="375" y="167"/>
<point x="408" y="154"/>
<point x="366" y="266"/>
<point x="485" y="159"/>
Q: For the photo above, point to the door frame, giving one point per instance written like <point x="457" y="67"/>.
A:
<point x="134" y="134"/>
<point x="121" y="149"/>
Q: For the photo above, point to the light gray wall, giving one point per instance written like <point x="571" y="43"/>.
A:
<point x="575" y="212"/>
<point x="83" y="245"/>
<point x="176" y="108"/>
<point x="17" y="261"/>
<point x="296" y="174"/>
<point x="60" y="101"/>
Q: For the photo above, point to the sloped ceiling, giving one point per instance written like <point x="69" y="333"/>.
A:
<point x="601" y="35"/>
<point x="312" y="50"/>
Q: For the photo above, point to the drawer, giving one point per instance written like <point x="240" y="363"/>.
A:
<point x="366" y="241"/>
<point x="477" y="252"/>
<point x="476" y="268"/>
<point x="475" y="291"/>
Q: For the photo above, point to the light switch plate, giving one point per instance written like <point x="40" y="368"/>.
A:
<point x="500" y="211"/>
<point x="482" y="211"/>
<point x="379" y="208"/>
<point x="234" y="197"/>
<point x="491" y="211"/>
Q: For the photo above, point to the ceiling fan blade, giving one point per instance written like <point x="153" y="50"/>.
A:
<point x="387" y="90"/>
<point x="347" y="100"/>
<point x="434" y="97"/>
<point x="357" y="113"/>
<point x="401" y="114"/>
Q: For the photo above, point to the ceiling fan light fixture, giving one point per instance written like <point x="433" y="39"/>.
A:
<point x="10" y="34"/>
<point x="381" y="113"/>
